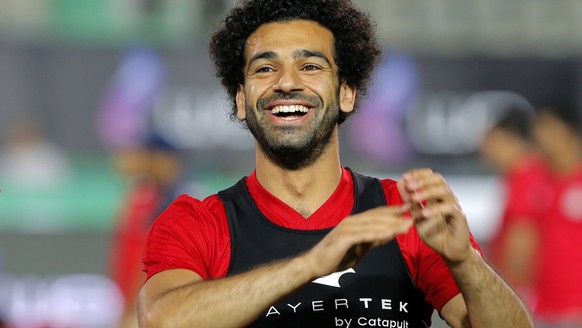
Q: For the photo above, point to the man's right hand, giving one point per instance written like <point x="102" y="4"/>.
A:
<point x="354" y="237"/>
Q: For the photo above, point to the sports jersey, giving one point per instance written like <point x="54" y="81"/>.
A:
<point x="526" y="185"/>
<point x="526" y="188"/>
<point x="194" y="234"/>
<point x="560" y="272"/>
<point x="377" y="288"/>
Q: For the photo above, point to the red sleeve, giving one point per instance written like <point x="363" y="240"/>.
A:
<point x="427" y="268"/>
<point x="190" y="234"/>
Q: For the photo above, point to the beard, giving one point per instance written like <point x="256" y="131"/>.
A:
<point x="293" y="147"/>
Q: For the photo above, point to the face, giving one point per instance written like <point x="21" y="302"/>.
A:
<point x="292" y="96"/>
<point x="500" y="147"/>
<point x="551" y="135"/>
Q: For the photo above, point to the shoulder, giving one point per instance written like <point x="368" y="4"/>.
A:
<point x="187" y="207"/>
<point x="187" y="214"/>
<point x="190" y="234"/>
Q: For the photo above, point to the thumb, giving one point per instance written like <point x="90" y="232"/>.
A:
<point x="404" y="194"/>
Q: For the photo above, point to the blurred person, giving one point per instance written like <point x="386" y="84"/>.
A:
<point x="508" y="146"/>
<point x="304" y="241"/>
<point x="153" y="173"/>
<point x="557" y="130"/>
<point x="30" y="160"/>
<point x="149" y="164"/>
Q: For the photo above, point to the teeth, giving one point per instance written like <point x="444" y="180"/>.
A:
<point x="289" y="109"/>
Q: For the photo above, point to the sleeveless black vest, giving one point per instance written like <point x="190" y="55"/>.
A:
<point x="377" y="292"/>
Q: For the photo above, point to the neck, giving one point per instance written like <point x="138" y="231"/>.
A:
<point x="565" y="155"/>
<point x="566" y="162"/>
<point x="516" y="159"/>
<point x="307" y="188"/>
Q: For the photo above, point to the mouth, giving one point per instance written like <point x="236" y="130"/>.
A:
<point x="289" y="112"/>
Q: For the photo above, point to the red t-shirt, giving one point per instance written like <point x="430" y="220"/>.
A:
<point x="560" y="272"/>
<point x="526" y="191"/>
<point x="194" y="235"/>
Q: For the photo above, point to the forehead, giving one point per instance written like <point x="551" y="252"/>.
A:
<point x="286" y="37"/>
<point x="547" y="118"/>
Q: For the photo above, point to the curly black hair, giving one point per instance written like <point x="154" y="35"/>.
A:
<point x="356" y="48"/>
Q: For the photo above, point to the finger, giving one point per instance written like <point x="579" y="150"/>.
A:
<point x="408" y="190"/>
<point x="358" y="250"/>
<point x="381" y="213"/>
<point x="400" y="230"/>
<point x="424" y="171"/>
<point x="369" y="229"/>
<point x="402" y="189"/>
<point x="346" y="240"/>
<point x="430" y="188"/>
<point x="432" y="220"/>
<point x="424" y="179"/>
<point x="444" y="210"/>
<point x="374" y="225"/>
<point x="440" y="193"/>
<point x="430" y="226"/>
<point x="416" y="183"/>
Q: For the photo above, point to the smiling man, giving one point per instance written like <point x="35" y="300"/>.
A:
<point x="293" y="127"/>
<point x="304" y="241"/>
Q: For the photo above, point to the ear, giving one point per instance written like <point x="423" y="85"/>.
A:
<point x="240" y="103"/>
<point x="347" y="97"/>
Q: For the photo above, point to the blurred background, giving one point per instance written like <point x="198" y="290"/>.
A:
<point x="87" y="87"/>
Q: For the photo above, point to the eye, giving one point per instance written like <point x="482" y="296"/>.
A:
<point x="264" y="69"/>
<point x="311" y="67"/>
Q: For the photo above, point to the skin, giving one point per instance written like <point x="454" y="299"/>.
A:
<point x="180" y="298"/>
<point x="503" y="149"/>
<point x="559" y="144"/>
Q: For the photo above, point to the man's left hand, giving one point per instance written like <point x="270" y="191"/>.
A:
<point x="437" y="215"/>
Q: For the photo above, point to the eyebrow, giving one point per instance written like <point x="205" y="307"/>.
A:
<point x="263" y="55"/>
<point x="297" y="54"/>
<point x="304" y="53"/>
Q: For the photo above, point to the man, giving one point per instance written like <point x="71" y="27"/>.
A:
<point x="508" y="147"/>
<point x="152" y="170"/>
<point x="557" y="131"/>
<point x="304" y="242"/>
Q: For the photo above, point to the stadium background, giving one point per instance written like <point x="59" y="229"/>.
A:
<point x="450" y="68"/>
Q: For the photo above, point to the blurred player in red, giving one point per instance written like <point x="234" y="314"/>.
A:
<point x="508" y="146"/>
<point x="152" y="171"/>
<point x="557" y="131"/>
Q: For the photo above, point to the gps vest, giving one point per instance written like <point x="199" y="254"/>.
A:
<point x="377" y="292"/>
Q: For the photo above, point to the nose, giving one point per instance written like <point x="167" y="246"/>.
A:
<point x="288" y="81"/>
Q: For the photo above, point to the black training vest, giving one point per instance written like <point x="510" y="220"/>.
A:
<point x="377" y="292"/>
